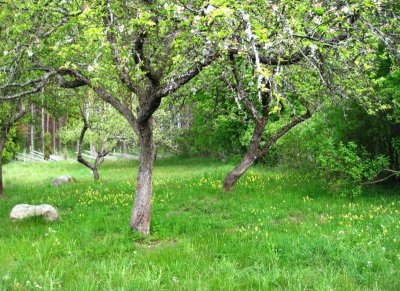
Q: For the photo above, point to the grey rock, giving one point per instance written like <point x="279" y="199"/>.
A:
<point x="22" y="211"/>
<point x="62" y="180"/>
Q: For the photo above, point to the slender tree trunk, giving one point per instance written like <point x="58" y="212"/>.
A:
<point x="58" y="138"/>
<point x="99" y="160"/>
<point x="53" y="134"/>
<point x="249" y="158"/>
<point x="2" y="142"/>
<point x="47" y="122"/>
<point x="43" y="130"/>
<point x="32" y="131"/>
<point x="141" y="212"/>
<point x="124" y="147"/>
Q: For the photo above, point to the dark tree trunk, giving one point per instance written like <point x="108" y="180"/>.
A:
<point x="141" y="212"/>
<point x="96" y="175"/>
<point x="53" y="134"/>
<point x="2" y="142"/>
<point x="249" y="158"/>
<point x="58" y="138"/>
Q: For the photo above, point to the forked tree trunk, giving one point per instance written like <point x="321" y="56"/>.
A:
<point x="141" y="212"/>
<point x="255" y="151"/>
<point x="248" y="159"/>
<point x="2" y="142"/>
<point x="100" y="155"/>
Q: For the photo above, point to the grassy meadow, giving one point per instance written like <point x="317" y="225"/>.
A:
<point x="278" y="229"/>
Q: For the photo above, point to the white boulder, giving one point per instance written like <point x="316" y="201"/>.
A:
<point x="22" y="211"/>
<point x="62" y="180"/>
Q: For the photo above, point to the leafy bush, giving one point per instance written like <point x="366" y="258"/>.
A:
<point x="11" y="147"/>
<point x="348" y="166"/>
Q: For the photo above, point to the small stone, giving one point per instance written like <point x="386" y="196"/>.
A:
<point x="62" y="180"/>
<point x="22" y="211"/>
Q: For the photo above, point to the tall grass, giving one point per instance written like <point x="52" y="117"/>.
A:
<point x="279" y="229"/>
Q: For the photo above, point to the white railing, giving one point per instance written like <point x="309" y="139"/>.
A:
<point x="38" y="157"/>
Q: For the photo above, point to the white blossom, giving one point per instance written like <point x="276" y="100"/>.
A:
<point x="317" y="20"/>
<point x="209" y="9"/>
<point x="346" y="9"/>
<point x="179" y="9"/>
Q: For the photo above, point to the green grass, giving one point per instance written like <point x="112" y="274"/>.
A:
<point x="278" y="229"/>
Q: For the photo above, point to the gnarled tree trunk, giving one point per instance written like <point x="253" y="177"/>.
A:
<point x="141" y="212"/>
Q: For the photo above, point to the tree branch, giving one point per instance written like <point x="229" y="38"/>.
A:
<point x="282" y="131"/>
<point x="240" y="91"/>
<point x="175" y="83"/>
<point x="107" y="97"/>
<point x="39" y="82"/>
<point x="143" y="61"/>
<point x="122" y="72"/>
<point x="81" y="139"/>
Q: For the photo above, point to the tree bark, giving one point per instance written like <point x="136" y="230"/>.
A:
<point x="2" y="143"/>
<point x="47" y="122"/>
<point x="238" y="172"/>
<point x="96" y="175"/>
<point x="141" y="212"/>
<point x="249" y="158"/>
<point x="53" y="134"/>
<point x="32" y="131"/>
<point x="43" y="130"/>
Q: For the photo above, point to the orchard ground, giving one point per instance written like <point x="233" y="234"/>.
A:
<point x="278" y="229"/>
